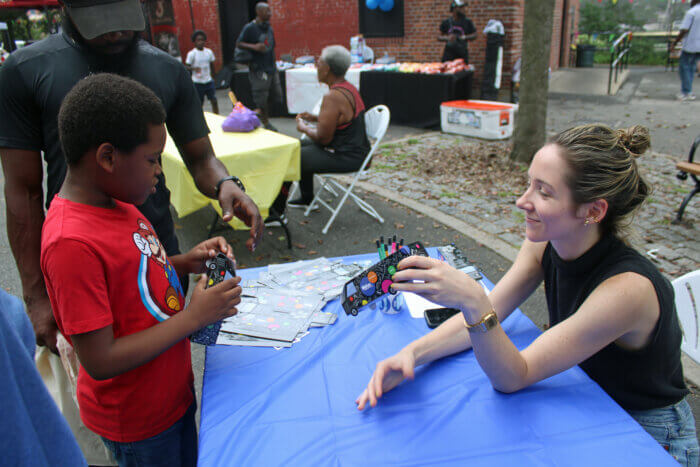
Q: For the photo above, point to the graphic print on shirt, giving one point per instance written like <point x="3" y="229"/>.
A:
<point x="161" y="300"/>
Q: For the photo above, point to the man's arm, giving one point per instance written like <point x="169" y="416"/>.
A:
<point x="255" y="47"/>
<point x="244" y="42"/>
<point x="679" y="38"/>
<point x="207" y="170"/>
<point x="24" y="198"/>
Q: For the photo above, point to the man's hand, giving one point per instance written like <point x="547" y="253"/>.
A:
<point x="234" y="201"/>
<point x="260" y="47"/>
<point x="43" y="322"/>
<point x="207" y="170"/>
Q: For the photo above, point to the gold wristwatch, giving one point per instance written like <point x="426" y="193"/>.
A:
<point x="488" y="322"/>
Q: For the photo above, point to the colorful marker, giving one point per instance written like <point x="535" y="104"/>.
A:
<point x="379" y="250"/>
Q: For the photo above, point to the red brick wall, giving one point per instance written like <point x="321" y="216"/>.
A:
<point x="304" y="27"/>
<point x="206" y="18"/>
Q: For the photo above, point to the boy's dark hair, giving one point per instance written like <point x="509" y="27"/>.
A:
<point x="106" y="108"/>
<point x="198" y="32"/>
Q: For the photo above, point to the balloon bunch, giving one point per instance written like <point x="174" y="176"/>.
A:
<point x="384" y="5"/>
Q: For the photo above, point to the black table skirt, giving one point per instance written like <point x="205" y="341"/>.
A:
<point x="240" y="85"/>
<point x="414" y="99"/>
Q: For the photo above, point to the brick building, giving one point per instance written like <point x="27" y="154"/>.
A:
<point x="304" y="27"/>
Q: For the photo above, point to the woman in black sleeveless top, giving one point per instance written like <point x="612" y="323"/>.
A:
<point x="336" y="139"/>
<point x="611" y="311"/>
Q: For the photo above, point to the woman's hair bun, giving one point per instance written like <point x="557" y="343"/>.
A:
<point x="635" y="139"/>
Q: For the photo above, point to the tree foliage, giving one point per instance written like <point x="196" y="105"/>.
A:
<point x="622" y="15"/>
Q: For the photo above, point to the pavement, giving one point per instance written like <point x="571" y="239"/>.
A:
<point x="646" y="97"/>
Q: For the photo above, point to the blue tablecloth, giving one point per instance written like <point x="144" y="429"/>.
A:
<point x="296" y="406"/>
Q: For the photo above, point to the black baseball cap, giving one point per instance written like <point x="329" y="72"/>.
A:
<point x="96" y="17"/>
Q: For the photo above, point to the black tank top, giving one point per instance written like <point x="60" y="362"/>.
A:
<point x="350" y="139"/>
<point x="643" y="379"/>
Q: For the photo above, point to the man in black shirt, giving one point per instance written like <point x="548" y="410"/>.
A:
<point x="98" y="36"/>
<point x="257" y="36"/>
<point x="456" y="31"/>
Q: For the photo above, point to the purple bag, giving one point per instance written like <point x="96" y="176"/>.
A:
<point x="241" y="119"/>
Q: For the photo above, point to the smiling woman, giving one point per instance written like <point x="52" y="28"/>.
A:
<point x="611" y="311"/>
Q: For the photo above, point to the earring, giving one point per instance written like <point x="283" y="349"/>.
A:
<point x="588" y="221"/>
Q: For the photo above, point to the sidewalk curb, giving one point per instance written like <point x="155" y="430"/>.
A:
<point x="411" y="136"/>
<point x="499" y="246"/>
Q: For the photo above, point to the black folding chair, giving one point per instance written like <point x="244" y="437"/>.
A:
<point x="685" y="168"/>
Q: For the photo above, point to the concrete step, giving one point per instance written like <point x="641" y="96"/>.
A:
<point x="584" y="81"/>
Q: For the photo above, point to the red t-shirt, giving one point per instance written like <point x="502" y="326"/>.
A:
<point x="107" y="267"/>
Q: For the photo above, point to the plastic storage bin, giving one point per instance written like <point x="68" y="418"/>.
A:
<point x="483" y="119"/>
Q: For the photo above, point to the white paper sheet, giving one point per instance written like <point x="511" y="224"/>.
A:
<point x="417" y="304"/>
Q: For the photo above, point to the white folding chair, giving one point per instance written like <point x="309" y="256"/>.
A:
<point x="376" y="123"/>
<point x="687" y="289"/>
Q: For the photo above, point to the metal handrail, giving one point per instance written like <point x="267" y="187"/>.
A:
<point x="619" y="57"/>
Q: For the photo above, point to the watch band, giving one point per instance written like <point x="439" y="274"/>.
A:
<point x="234" y="179"/>
<point x="488" y="322"/>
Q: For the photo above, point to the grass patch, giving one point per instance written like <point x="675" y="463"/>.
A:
<point x="505" y="194"/>
<point x="382" y="167"/>
<point x="413" y="141"/>
<point x="680" y="189"/>
<point x="449" y="194"/>
<point x="519" y="216"/>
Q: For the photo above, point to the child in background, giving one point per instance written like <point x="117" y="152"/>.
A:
<point x="200" y="61"/>
<point x="114" y="292"/>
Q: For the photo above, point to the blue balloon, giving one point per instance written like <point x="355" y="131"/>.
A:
<point x="372" y="4"/>
<point x="386" y="5"/>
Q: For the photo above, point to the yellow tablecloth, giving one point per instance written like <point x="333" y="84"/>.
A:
<point x="262" y="159"/>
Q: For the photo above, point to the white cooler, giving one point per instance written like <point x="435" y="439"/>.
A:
<point x="483" y="119"/>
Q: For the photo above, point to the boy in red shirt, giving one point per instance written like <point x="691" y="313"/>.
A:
<point x="115" y="294"/>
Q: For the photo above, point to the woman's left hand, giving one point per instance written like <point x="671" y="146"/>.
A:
<point x="195" y="259"/>
<point x="441" y="284"/>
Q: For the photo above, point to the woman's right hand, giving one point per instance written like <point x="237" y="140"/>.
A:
<point x="388" y="374"/>
<point x="215" y="303"/>
<point x="301" y="124"/>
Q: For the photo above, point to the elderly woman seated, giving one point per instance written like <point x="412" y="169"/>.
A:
<point x="337" y="141"/>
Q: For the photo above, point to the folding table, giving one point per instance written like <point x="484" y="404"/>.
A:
<point x="296" y="406"/>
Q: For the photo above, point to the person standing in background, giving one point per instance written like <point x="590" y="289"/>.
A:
<point x="200" y="61"/>
<point x="457" y="30"/>
<point x="257" y="36"/>
<point x="690" y="51"/>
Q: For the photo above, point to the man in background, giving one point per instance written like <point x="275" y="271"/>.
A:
<point x="257" y="36"/>
<point x="457" y="30"/>
<point x="690" y="51"/>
